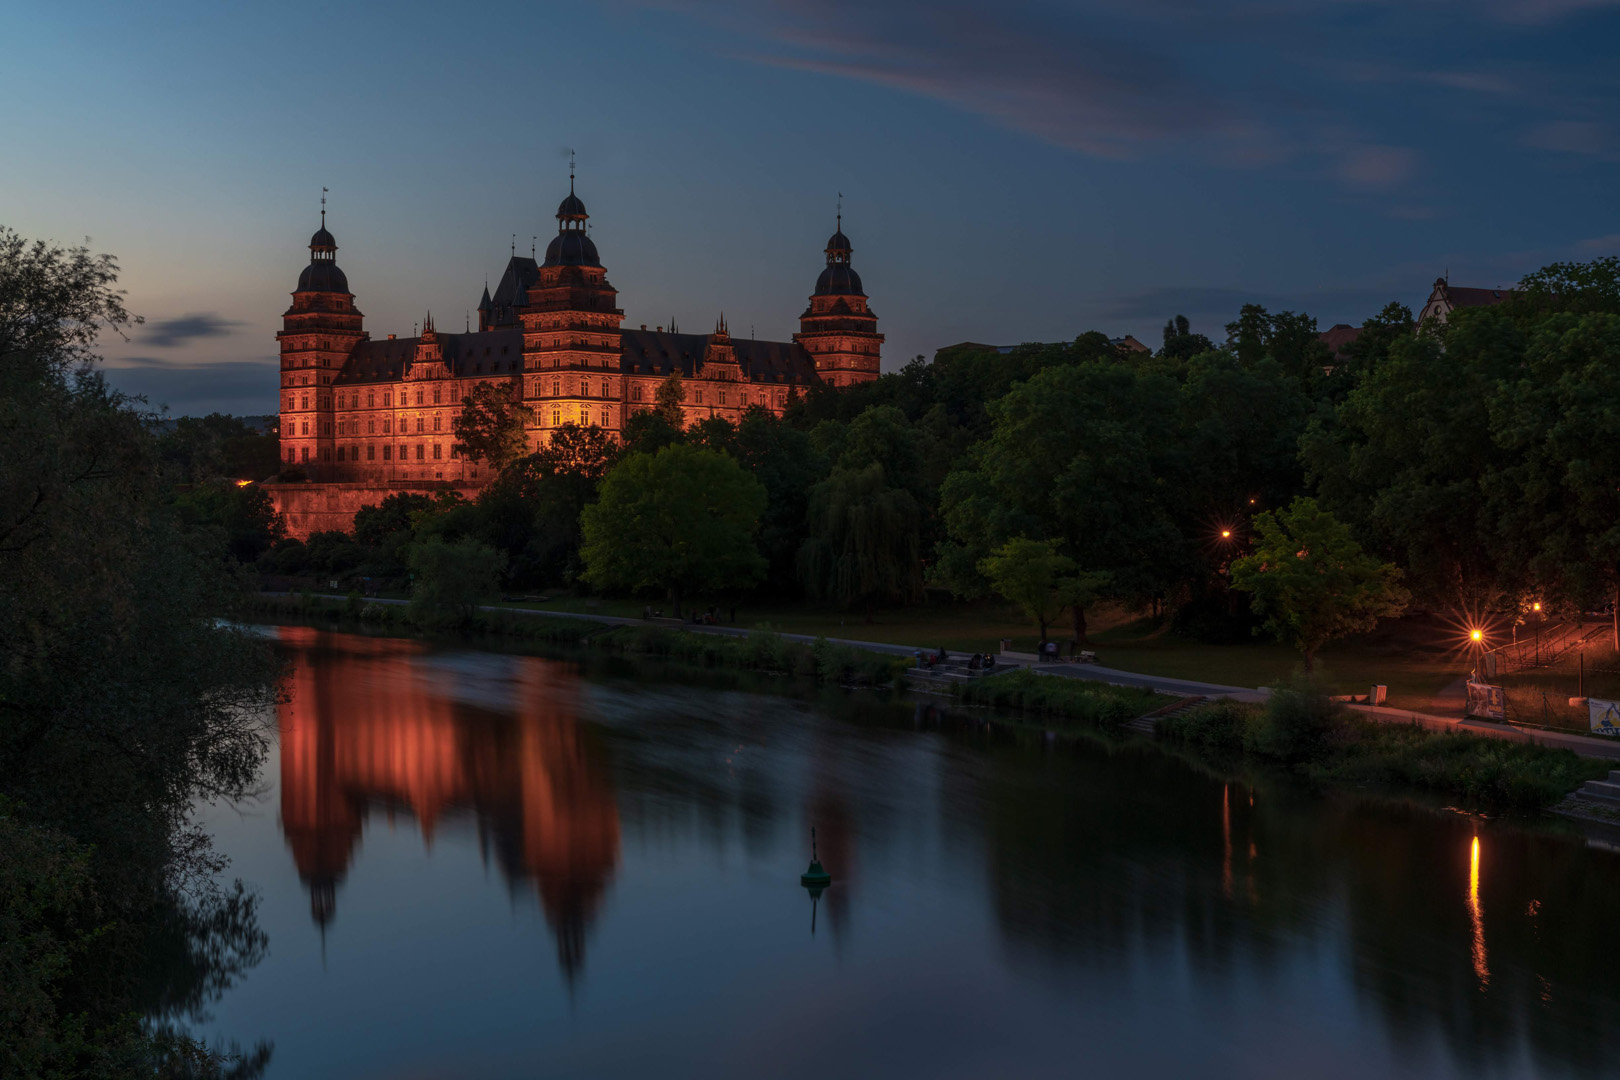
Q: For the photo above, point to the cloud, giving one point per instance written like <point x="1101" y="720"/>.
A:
<point x="239" y="387"/>
<point x="1376" y="168"/>
<point x="1574" y="137"/>
<point x="173" y="333"/>
<point x="1609" y="243"/>
<point x="1069" y="82"/>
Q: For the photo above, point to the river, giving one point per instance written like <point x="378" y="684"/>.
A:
<point x="477" y="864"/>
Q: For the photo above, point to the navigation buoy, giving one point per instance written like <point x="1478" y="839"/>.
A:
<point x="815" y="877"/>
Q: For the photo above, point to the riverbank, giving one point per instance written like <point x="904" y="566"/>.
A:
<point x="762" y="649"/>
<point x="1323" y="742"/>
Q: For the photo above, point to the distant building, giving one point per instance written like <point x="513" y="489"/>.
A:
<point x="1447" y="298"/>
<point x="1337" y="337"/>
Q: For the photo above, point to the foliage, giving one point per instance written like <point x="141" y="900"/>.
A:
<point x="218" y="446"/>
<point x="668" y="399"/>
<point x="681" y="520"/>
<point x="1312" y="582"/>
<point x="101" y="572"/>
<point x="375" y="525"/>
<point x="452" y="579"/>
<point x="492" y="425"/>
<point x="1296" y="724"/>
<point x="1055" y="695"/>
<point x="244" y="516"/>
<point x="864" y="545"/>
<point x="1032" y="575"/>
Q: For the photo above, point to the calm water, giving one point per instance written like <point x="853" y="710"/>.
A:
<point x="475" y="864"/>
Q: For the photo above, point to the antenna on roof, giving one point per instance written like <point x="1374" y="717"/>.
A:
<point x="570" y="172"/>
<point x="323" y="208"/>
<point x="532" y="241"/>
<point x="840" y="211"/>
<point x="469" y="323"/>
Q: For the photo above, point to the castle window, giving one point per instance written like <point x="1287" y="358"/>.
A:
<point x="371" y="427"/>
<point x="388" y="399"/>
<point x="607" y="416"/>
<point x="371" y="453"/>
<point x="435" y="451"/>
<point x="556" y="418"/>
<point x="699" y="397"/>
<point x="419" y="397"/>
<point x="306" y="449"/>
<point x="388" y="452"/>
<point x="420" y="450"/>
<point x="371" y="399"/>
<point x="722" y="397"/>
<point x="556" y="387"/>
<point x="436" y="395"/>
<point x="303" y="402"/>
<point x="436" y="420"/>
<point x="306" y="427"/>
<point x="419" y="422"/>
<point x="585" y="415"/>
<point x="388" y="425"/>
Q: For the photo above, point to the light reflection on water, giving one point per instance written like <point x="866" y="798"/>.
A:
<point x="476" y="864"/>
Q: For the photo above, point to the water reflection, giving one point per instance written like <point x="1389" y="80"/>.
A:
<point x="999" y="897"/>
<point x="371" y="727"/>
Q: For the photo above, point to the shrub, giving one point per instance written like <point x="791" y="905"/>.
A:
<point x="1296" y="725"/>
<point x="1055" y="695"/>
<point x="1220" y="723"/>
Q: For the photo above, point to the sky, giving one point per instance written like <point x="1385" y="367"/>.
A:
<point x="1010" y="171"/>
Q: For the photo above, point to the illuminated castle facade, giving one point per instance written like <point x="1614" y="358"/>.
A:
<point x="379" y="413"/>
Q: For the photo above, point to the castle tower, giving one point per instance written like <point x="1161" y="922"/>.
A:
<point x="838" y="329"/>
<point x="571" y="323"/>
<point x="319" y="332"/>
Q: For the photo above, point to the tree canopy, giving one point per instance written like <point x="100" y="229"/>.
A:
<point x="681" y="520"/>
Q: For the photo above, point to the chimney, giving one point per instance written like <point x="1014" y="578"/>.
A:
<point x="390" y="337"/>
<point x="644" y="326"/>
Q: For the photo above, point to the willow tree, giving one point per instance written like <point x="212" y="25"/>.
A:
<point x="865" y="542"/>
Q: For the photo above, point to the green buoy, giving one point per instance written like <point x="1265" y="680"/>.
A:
<point x="815" y="877"/>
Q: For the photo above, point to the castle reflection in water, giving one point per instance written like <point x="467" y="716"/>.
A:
<point x="368" y="727"/>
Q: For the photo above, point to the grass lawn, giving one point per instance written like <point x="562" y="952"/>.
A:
<point x="1403" y="657"/>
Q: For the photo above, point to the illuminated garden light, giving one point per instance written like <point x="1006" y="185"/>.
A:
<point x="1476" y="635"/>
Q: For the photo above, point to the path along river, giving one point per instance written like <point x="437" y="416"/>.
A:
<point x="483" y="864"/>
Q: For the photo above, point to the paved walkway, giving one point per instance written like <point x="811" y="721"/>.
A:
<point x="1589" y="746"/>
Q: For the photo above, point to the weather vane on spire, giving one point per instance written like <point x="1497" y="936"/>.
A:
<point x="570" y="171"/>
<point x="323" y="208"/>
<point x="840" y="211"/>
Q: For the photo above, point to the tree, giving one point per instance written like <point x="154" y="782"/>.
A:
<point x="243" y="513"/>
<point x="668" y="399"/>
<point x="1032" y="575"/>
<point x="452" y="579"/>
<point x="681" y="520"/>
<point x="373" y="525"/>
<point x="1311" y="581"/>
<point x="101" y="572"/>
<point x="587" y="452"/>
<point x="1180" y="343"/>
<point x="864" y="545"/>
<point x="492" y="426"/>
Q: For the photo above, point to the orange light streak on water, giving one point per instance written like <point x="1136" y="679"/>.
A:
<point x="1476" y="912"/>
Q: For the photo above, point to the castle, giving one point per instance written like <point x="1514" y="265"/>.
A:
<point x="362" y="417"/>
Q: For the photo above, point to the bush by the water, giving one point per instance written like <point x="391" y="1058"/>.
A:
<point x="1307" y="731"/>
<point x="1054" y="695"/>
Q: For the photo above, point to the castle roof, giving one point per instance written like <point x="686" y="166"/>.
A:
<point x="493" y="352"/>
<point x="653" y="352"/>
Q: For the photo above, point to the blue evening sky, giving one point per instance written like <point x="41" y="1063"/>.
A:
<point x="1011" y="171"/>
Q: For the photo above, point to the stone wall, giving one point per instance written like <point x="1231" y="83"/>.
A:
<point x="312" y="508"/>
